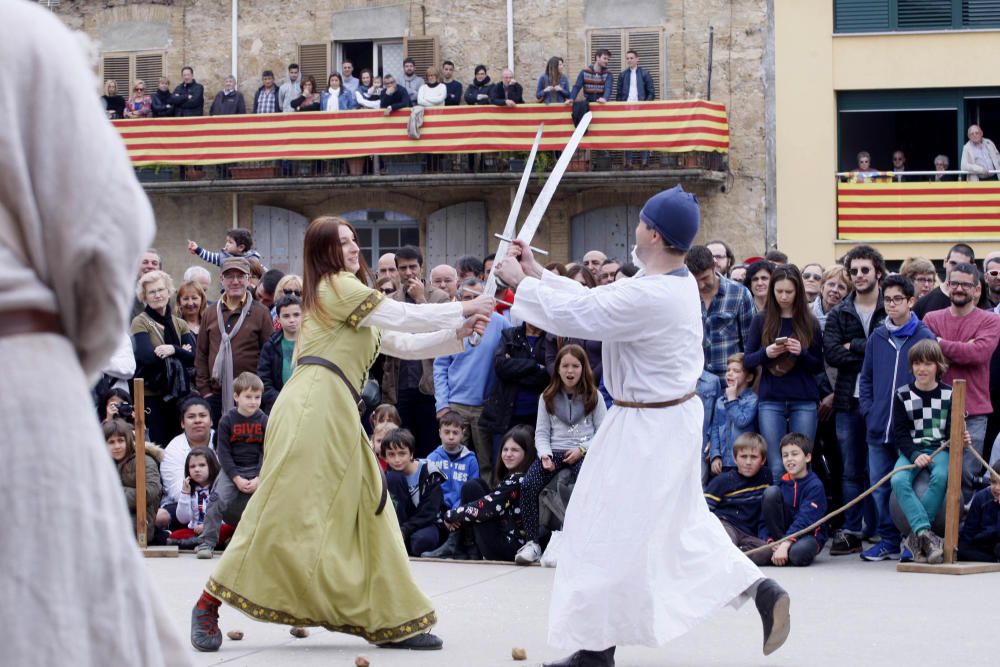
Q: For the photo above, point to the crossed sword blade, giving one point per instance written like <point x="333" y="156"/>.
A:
<point x="537" y="212"/>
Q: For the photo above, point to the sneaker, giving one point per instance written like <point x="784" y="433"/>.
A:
<point x="528" y="554"/>
<point x="447" y="550"/>
<point x="773" y="605"/>
<point x="203" y="551"/>
<point x="933" y="546"/>
<point x="906" y="556"/>
<point x="845" y="543"/>
<point x="881" y="551"/>
<point x="205" y="633"/>
<point x="911" y="544"/>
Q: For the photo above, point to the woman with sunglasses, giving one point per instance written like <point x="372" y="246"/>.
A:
<point x="786" y="342"/>
<point x="289" y="285"/>
<point x="139" y="105"/>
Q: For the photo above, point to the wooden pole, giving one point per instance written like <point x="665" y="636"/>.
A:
<point x="139" y="403"/>
<point x="956" y="455"/>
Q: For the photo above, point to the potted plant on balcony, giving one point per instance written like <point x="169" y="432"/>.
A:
<point x="253" y="170"/>
<point x="355" y="166"/>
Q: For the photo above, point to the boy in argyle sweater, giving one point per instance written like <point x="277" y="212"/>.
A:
<point x="922" y="422"/>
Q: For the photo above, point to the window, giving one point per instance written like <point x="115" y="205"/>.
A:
<point x="380" y="56"/>
<point x="124" y="68"/>
<point x="380" y="232"/>
<point x="908" y="15"/>
<point x="647" y="43"/>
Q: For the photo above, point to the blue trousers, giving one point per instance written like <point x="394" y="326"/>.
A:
<point x="776" y="418"/>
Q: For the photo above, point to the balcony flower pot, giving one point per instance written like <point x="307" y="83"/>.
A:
<point x="355" y="166"/>
<point x="247" y="173"/>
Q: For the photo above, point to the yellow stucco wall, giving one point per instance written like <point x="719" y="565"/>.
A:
<point x="811" y="64"/>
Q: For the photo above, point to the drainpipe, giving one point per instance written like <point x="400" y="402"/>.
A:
<point x="235" y="11"/>
<point x="510" y="34"/>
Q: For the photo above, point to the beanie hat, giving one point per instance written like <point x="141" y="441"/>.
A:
<point x="674" y="214"/>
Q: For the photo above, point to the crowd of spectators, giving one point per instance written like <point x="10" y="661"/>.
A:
<point x="817" y="382"/>
<point x="980" y="161"/>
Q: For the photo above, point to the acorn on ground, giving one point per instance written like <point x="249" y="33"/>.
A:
<point x="361" y="661"/>
<point x="518" y="653"/>
<point x="300" y="633"/>
<point x="235" y="635"/>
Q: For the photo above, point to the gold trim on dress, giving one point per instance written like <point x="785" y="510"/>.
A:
<point x="259" y="613"/>
<point x="364" y="309"/>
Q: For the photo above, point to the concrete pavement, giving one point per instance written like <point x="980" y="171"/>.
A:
<point x="845" y="613"/>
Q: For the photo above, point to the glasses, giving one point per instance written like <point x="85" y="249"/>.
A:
<point x="959" y="284"/>
<point x="235" y="276"/>
<point x="139" y="90"/>
<point x="720" y="257"/>
<point x="811" y="276"/>
<point x="862" y="270"/>
<point x="927" y="280"/>
<point x="290" y="292"/>
<point x="388" y="290"/>
<point x="894" y="300"/>
<point x="993" y="273"/>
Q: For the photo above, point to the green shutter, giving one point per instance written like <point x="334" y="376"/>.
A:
<point x="861" y="15"/>
<point x="924" y="14"/>
<point x="980" y="13"/>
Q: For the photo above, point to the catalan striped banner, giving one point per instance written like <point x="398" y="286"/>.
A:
<point x="918" y="211"/>
<point x="682" y="126"/>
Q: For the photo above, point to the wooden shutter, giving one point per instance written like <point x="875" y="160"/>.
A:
<point x="117" y="68"/>
<point x="612" y="40"/>
<point x="314" y="61"/>
<point x="149" y="68"/>
<point x="424" y="52"/>
<point x="648" y="44"/>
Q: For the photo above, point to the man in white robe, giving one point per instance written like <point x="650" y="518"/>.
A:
<point x="642" y="560"/>
<point x="73" y="223"/>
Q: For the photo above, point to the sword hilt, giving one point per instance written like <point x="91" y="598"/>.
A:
<point x="474" y="338"/>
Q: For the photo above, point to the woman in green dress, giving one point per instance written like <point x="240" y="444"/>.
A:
<point x="314" y="547"/>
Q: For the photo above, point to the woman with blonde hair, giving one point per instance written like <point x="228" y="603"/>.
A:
<point x="921" y="273"/>
<point x="289" y="285"/>
<point x="322" y="495"/>
<point x="190" y="305"/>
<point x="114" y="104"/>
<point x="140" y="105"/>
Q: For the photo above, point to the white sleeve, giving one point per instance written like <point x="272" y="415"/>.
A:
<point x="392" y="315"/>
<point x="171" y="471"/>
<point x="421" y="345"/>
<point x="564" y="307"/>
<point x="122" y="364"/>
<point x="184" y="513"/>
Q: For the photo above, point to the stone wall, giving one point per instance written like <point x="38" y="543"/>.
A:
<point x="473" y="32"/>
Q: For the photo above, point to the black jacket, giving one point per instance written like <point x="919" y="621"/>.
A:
<point x="843" y="325"/>
<point x="518" y="368"/>
<point x="414" y="517"/>
<point x="162" y="104"/>
<point x="476" y="89"/>
<point x="499" y="95"/>
<point x="269" y="370"/>
<point x="228" y="105"/>
<point x="189" y="99"/>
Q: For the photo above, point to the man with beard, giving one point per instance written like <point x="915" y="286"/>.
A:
<point x="938" y="299"/>
<point x="968" y="337"/>
<point x="848" y="326"/>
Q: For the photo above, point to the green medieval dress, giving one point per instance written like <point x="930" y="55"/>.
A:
<point x="310" y="550"/>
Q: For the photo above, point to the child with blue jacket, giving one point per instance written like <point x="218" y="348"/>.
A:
<point x="735" y="413"/>
<point x="415" y="489"/>
<point x="798" y="500"/>
<point x="455" y="461"/>
<point x="735" y="496"/>
<point x="979" y="539"/>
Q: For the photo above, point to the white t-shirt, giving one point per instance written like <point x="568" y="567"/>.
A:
<point x="633" y="87"/>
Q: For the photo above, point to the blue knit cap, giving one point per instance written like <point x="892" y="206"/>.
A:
<point x="674" y="214"/>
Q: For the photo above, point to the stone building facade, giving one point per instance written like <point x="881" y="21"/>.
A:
<point x="672" y="36"/>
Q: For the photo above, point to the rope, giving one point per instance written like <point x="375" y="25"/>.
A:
<point x="813" y="526"/>
<point x="989" y="469"/>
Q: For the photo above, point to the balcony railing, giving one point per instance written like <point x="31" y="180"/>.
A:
<point x="679" y="134"/>
<point x="921" y="208"/>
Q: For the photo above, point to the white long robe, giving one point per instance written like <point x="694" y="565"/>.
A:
<point x="642" y="559"/>
<point x="73" y="222"/>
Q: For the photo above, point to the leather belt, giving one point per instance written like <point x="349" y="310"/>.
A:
<point x="329" y="365"/>
<point x="662" y="404"/>
<point x="28" y="321"/>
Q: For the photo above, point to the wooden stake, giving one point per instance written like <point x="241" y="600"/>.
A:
<point x="139" y="404"/>
<point x="956" y="455"/>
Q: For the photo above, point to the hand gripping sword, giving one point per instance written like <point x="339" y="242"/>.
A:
<point x="534" y="218"/>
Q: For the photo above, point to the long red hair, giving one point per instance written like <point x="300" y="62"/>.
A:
<point x="323" y="257"/>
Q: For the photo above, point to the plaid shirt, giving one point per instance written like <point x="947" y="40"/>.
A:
<point x="726" y="323"/>
<point x="267" y="101"/>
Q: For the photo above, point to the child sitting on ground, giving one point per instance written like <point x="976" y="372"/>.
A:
<point x="979" y="539"/>
<point x="385" y="413"/>
<point x="735" y="413"/>
<point x="735" y="496"/>
<point x="201" y="469"/>
<point x="458" y="464"/>
<point x="921" y="423"/>
<point x="239" y="243"/>
<point x="415" y="488"/>
<point x="798" y="500"/>
<point x="241" y="454"/>
<point x="570" y="410"/>
<point x="120" y="438"/>
<point x="498" y="523"/>
<point x="382" y="429"/>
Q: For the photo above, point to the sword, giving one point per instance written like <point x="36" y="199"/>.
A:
<point x="508" y="229"/>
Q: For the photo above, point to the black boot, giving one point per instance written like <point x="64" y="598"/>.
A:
<point x="605" y="658"/>
<point x="773" y="604"/>
<point x="422" y="642"/>
<point x="447" y="550"/>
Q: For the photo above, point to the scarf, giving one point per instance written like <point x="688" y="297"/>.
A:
<point x="222" y="371"/>
<point x="904" y="331"/>
<point x="166" y="321"/>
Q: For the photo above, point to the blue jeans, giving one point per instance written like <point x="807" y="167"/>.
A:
<point x="976" y="426"/>
<point x="852" y="439"/>
<point x="776" y="418"/>
<point x="881" y="460"/>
